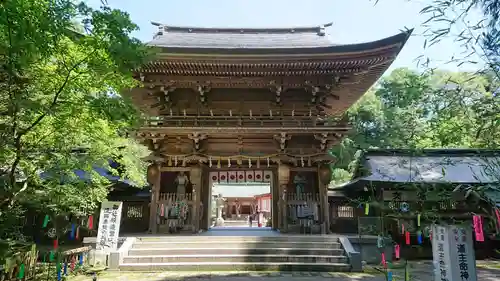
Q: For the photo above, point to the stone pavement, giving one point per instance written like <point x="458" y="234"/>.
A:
<point x="420" y="272"/>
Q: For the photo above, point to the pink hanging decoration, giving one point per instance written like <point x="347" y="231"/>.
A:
<point x="396" y="250"/>
<point x="384" y="262"/>
<point x="407" y="234"/>
<point x="430" y="235"/>
<point x="77" y="235"/>
<point x="497" y="213"/>
<point x="162" y="211"/>
<point x="478" y="228"/>
<point x="402" y="228"/>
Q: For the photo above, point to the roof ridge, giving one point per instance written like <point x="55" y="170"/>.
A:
<point x="319" y="29"/>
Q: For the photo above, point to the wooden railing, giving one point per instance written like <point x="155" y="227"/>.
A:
<point x="175" y="212"/>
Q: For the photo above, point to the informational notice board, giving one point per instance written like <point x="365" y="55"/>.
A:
<point x="453" y="253"/>
<point x="109" y="226"/>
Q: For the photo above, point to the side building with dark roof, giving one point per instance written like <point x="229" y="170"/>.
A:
<point x="437" y="185"/>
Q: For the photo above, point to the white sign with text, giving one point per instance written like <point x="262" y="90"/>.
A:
<point x="109" y="226"/>
<point x="453" y="253"/>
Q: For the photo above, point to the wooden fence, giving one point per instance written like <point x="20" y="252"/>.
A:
<point x="36" y="265"/>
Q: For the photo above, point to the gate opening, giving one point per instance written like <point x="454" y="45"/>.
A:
<point x="241" y="205"/>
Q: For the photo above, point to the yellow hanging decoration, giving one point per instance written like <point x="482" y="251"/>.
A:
<point x="169" y="161"/>
<point x="218" y="164"/>
<point x="229" y="162"/>
<point x="239" y="161"/>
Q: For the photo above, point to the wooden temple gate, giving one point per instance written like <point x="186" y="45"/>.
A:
<point x="242" y="99"/>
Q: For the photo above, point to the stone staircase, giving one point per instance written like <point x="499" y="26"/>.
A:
<point x="233" y="253"/>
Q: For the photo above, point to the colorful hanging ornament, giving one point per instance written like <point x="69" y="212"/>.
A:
<point x="497" y="213"/>
<point x="58" y="269"/>
<point x="51" y="256"/>
<point x="380" y="242"/>
<point x="402" y="227"/>
<point x="162" y="211"/>
<point x="389" y="276"/>
<point x="45" y="221"/>
<point x="418" y="220"/>
<point x="56" y="244"/>
<point x="73" y="262"/>
<point x="405" y="207"/>
<point x="407" y="236"/>
<point x="384" y="262"/>
<point x="80" y="259"/>
<point x="77" y="235"/>
<point x="419" y="237"/>
<point x="407" y="273"/>
<point x="91" y="222"/>
<point x="397" y="250"/>
<point x="65" y="270"/>
<point x="73" y="231"/>
<point x="478" y="228"/>
<point x="20" y="274"/>
<point x="367" y="209"/>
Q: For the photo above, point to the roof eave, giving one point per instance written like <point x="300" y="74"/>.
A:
<point x="398" y="39"/>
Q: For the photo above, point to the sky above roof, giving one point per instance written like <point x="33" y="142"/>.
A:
<point x="354" y="21"/>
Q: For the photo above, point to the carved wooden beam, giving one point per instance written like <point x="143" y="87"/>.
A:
<point x="197" y="137"/>
<point x="282" y="138"/>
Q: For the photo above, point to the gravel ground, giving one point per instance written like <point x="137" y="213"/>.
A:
<point x="422" y="271"/>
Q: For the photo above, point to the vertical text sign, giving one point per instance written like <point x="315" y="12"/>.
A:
<point x="453" y="253"/>
<point x="109" y="226"/>
<point x="462" y="254"/>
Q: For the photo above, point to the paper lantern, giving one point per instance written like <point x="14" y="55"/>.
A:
<point x="153" y="173"/>
<point x="325" y="174"/>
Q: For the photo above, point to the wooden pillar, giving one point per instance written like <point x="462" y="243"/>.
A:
<point x="283" y="180"/>
<point x="196" y="181"/>
<point x="325" y="176"/>
<point x="154" y="178"/>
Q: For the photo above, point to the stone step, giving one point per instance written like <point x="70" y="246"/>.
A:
<point x="236" y="266"/>
<point x="289" y="238"/>
<point x="235" y="251"/>
<point x="234" y="258"/>
<point x="225" y="244"/>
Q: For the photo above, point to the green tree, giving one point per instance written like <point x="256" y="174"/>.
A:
<point x="62" y="68"/>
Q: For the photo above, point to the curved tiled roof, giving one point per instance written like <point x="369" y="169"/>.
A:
<point x="241" y="38"/>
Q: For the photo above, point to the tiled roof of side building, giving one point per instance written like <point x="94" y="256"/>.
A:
<point x="241" y="38"/>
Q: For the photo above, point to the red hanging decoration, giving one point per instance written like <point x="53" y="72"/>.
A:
<point x="407" y="234"/>
<point x="91" y="222"/>
<point x="73" y="262"/>
<point x="56" y="244"/>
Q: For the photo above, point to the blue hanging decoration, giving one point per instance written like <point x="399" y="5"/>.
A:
<point x="404" y="207"/>
<point x="419" y="237"/>
<point x="73" y="231"/>
<point x="80" y="259"/>
<point x="59" y="275"/>
<point x="65" y="269"/>
<point x="389" y="276"/>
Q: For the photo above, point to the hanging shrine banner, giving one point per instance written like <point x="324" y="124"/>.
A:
<point x="109" y="226"/>
<point x="478" y="228"/>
